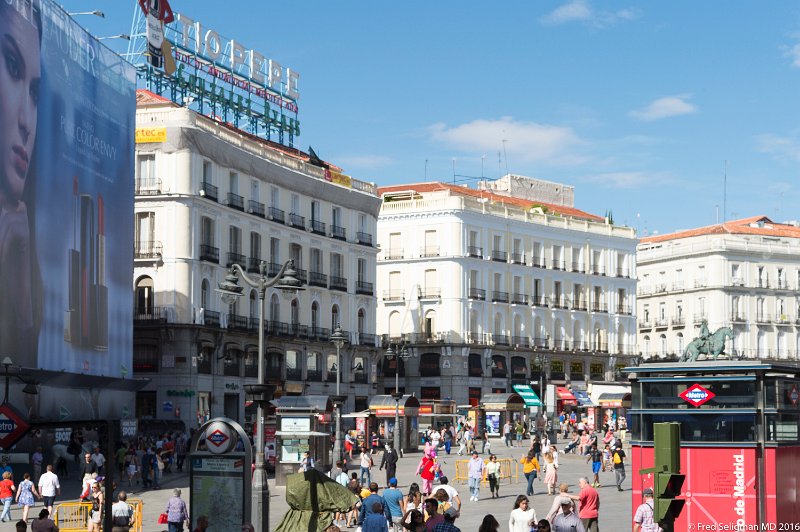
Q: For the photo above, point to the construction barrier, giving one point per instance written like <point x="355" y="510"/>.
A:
<point x="74" y="516"/>
<point x="509" y="470"/>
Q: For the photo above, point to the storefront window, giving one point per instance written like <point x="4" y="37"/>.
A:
<point x="728" y="394"/>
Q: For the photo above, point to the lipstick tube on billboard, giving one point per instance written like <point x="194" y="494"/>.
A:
<point x="100" y="290"/>
<point x="72" y="325"/>
<point x="87" y="268"/>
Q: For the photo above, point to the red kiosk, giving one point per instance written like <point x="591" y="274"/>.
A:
<point x="740" y="450"/>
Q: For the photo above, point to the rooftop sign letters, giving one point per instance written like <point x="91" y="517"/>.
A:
<point x="696" y="395"/>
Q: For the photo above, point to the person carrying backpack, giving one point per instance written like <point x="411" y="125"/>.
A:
<point x="618" y="459"/>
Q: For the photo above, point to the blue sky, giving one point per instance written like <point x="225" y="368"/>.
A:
<point x="636" y="104"/>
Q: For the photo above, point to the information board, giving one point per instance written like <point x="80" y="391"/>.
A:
<point x="217" y="490"/>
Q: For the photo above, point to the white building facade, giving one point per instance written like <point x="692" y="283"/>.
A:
<point x="209" y="196"/>
<point x="743" y="274"/>
<point x="488" y="290"/>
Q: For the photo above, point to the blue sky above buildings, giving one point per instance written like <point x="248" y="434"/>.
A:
<point x="636" y="104"/>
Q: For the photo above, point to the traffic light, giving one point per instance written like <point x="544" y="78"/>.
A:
<point x="668" y="479"/>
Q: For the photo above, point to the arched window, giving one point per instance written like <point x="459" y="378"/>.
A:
<point x="362" y="320"/>
<point x="335" y="317"/>
<point x="144" y="298"/>
<point x="499" y="366"/>
<point x="680" y="344"/>
<point x="204" y="294"/>
<point x="662" y="351"/>
<point x="646" y="347"/>
<point x="762" y="345"/>
<point x="253" y="304"/>
<point x="274" y="308"/>
<point x="394" y="325"/>
<point x="295" y="312"/>
<point x="315" y="319"/>
<point x="621" y="347"/>
<point x="429" y="365"/>
<point x="314" y="366"/>
<point x="429" y="325"/>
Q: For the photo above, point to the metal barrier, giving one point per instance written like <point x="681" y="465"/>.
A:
<point x="509" y="469"/>
<point x="74" y="516"/>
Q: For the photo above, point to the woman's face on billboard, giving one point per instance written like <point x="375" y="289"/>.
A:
<point x="20" y="72"/>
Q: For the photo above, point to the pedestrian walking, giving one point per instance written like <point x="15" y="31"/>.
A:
<point x="567" y="520"/>
<point x="493" y="475"/>
<point x="427" y="471"/>
<point x="396" y="504"/>
<point x="521" y="515"/>
<point x="96" y="513"/>
<point x="452" y="493"/>
<point x="589" y="501"/>
<point x="476" y="473"/>
<point x="26" y="493"/>
<point x="644" y="518"/>
<point x="88" y="468"/>
<point x="550" y="472"/>
<point x="530" y="468"/>
<point x="36" y="462"/>
<point x="176" y="511"/>
<point x="618" y="458"/>
<point x="307" y="463"/>
<point x="366" y="466"/>
<point x="447" y="525"/>
<point x="519" y="429"/>
<point x="389" y="461"/>
<point x="122" y="514"/>
<point x="448" y="439"/>
<point x="44" y="523"/>
<point x="596" y="457"/>
<point x="49" y="487"/>
<point x="555" y="509"/>
<point x="7" y="490"/>
<point x="507" y="433"/>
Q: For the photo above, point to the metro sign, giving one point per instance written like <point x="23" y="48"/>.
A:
<point x="793" y="395"/>
<point x="217" y="438"/>
<point x="696" y="395"/>
<point x="12" y="426"/>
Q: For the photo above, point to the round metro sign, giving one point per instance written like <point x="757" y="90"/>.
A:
<point x="219" y="438"/>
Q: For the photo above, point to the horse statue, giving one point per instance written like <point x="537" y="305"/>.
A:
<point x="711" y="347"/>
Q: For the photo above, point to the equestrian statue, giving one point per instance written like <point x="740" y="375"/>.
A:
<point x="710" y="345"/>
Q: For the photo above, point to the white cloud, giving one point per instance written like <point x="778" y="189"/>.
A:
<point x="780" y="147"/>
<point x="664" y="108"/>
<point x="363" y="161"/>
<point x="624" y="179"/>
<point x="525" y="141"/>
<point x="793" y="53"/>
<point x="582" y="11"/>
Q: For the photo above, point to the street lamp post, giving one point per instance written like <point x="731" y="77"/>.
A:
<point x="30" y="387"/>
<point x="338" y="338"/>
<point x="402" y="354"/>
<point x="286" y="279"/>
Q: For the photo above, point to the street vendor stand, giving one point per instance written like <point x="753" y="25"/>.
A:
<point x="302" y="423"/>
<point x="385" y="407"/>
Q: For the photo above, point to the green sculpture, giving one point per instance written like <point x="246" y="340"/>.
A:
<point x="711" y="345"/>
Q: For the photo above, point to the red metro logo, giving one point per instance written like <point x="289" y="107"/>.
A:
<point x="696" y="395"/>
<point x="218" y="438"/>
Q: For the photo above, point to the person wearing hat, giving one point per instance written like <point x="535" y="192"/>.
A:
<point x="396" y="503"/>
<point x="644" y="518"/>
<point x="476" y="467"/>
<point x="567" y="520"/>
<point x="447" y="525"/>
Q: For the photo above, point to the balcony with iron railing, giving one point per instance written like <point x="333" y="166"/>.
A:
<point x="519" y="299"/>
<point x="539" y="343"/>
<point x="499" y="255"/>
<point x="599" y="307"/>
<point x="211" y="318"/>
<point x="364" y="288"/>
<point x="394" y="295"/>
<point x="273" y="268"/>
<point x="475" y="338"/>
<point x="782" y="284"/>
<point x="276" y="215"/>
<point x="209" y="253"/>
<point x="301" y="274"/>
<point x="560" y="303"/>
<point x="538" y="262"/>
<point x="318" y="279"/>
<point x="517" y="258"/>
<point x="539" y="301"/>
<point x="295" y="220"/>
<point x="278" y="328"/>
<point x="678" y="321"/>
<point x="737" y="317"/>
<point x="477" y="293"/>
<point x="697" y="318"/>
<point x="238" y="322"/>
<point x="147" y="249"/>
<point x="338" y="283"/>
<point x="319" y="333"/>
<point x="338" y="232"/>
<point x="294" y="374"/>
<point x="209" y="191"/>
<point x="253" y="265"/>
<point x="661" y="323"/>
<point x="429" y="251"/>
<point x="235" y="201"/>
<point x="236" y="258"/>
<point x="148" y="187"/>
<point x="558" y="264"/>
<point x="499" y="296"/>
<point x="151" y="315"/>
<point x="475" y="251"/>
<point x="256" y="208"/>
<point x="577" y="267"/>
<point x="317" y="227"/>
<point x="367" y="339"/>
<point x="430" y="292"/>
<point x="580" y="305"/>
<point x="626" y="310"/>
<point x="501" y="339"/>
<point x="521" y="341"/>
<point x="645" y="324"/>
<point x="762" y="283"/>
<point x="360" y="377"/>
<point x="393" y="253"/>
<point x="623" y="272"/>
<point x="782" y="319"/>
<point x="365" y="239"/>
<point x="598" y="270"/>
<point x="298" y="330"/>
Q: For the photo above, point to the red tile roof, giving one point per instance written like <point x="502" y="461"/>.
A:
<point x="422" y="188"/>
<point x="755" y="225"/>
<point x="145" y="97"/>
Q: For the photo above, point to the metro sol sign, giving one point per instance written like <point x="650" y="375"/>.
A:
<point x="12" y="426"/>
<point x="696" y="395"/>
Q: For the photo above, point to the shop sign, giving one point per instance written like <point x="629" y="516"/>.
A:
<point x="295" y="424"/>
<point x="145" y="135"/>
<point x="129" y="427"/>
<point x="696" y="395"/>
<point x="180" y="393"/>
<point x="793" y="395"/>
<point x="231" y="386"/>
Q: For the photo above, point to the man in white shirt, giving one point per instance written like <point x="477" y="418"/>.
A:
<point x="49" y="487"/>
<point x="455" y="500"/>
<point x="99" y="459"/>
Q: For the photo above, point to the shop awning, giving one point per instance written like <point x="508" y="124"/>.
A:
<point x="362" y="414"/>
<point x="385" y="406"/>
<point x="311" y="403"/>
<point x="565" y="395"/>
<point x="614" y="400"/>
<point x="504" y="402"/>
<point x="583" y="398"/>
<point x="527" y="394"/>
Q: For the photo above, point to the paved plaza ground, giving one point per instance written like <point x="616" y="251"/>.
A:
<point x="615" y="506"/>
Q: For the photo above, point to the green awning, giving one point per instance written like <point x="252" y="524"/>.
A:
<point x="527" y="394"/>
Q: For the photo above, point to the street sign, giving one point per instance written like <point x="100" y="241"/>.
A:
<point x="527" y="394"/>
<point x="793" y="395"/>
<point x="696" y="395"/>
<point x="12" y="426"/>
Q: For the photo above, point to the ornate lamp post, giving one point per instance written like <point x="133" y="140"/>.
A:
<point x="338" y="339"/>
<point x="402" y="354"/>
<point x="286" y="280"/>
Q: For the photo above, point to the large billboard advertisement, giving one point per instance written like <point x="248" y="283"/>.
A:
<point x="67" y="106"/>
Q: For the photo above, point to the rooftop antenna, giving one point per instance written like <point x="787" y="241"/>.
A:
<point x="426" y="170"/>
<point x="483" y="159"/>
<point x="454" y="170"/>
<point x="505" y="155"/>
<point x="499" y="163"/>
